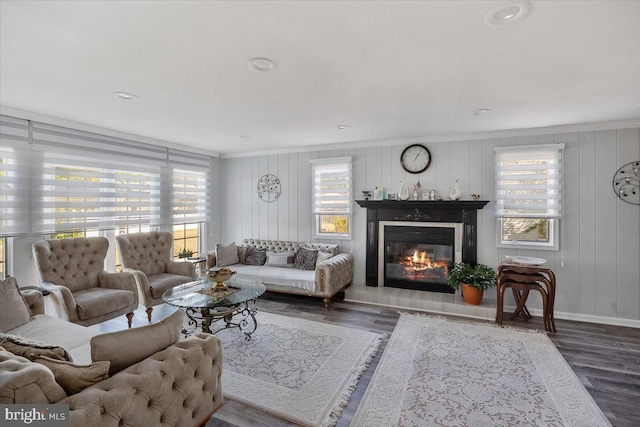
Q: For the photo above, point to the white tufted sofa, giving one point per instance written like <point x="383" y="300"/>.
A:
<point x="329" y="277"/>
<point x="179" y="385"/>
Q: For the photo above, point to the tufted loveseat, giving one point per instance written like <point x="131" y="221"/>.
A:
<point x="176" y="385"/>
<point x="329" y="277"/>
<point x="149" y="256"/>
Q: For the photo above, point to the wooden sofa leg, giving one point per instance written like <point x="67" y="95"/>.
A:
<point x="149" y="310"/>
<point x="327" y="301"/>
<point x="129" y="319"/>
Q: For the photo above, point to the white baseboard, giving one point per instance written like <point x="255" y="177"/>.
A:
<point x="589" y="318"/>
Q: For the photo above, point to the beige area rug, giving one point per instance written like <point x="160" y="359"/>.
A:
<point x="439" y="372"/>
<point x="295" y="369"/>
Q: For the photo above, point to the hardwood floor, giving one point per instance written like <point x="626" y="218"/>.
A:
<point x="605" y="358"/>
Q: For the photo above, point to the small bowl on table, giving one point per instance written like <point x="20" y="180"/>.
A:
<point x="218" y="277"/>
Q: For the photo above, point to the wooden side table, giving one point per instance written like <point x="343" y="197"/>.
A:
<point x="522" y="279"/>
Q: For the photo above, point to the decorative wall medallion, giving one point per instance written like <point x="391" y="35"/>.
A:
<point x="269" y="188"/>
<point x="626" y="183"/>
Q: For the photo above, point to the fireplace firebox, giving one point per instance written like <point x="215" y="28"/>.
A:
<point x="418" y="255"/>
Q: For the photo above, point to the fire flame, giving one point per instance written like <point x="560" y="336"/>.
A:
<point x="420" y="262"/>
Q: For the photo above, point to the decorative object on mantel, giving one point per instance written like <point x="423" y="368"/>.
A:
<point x="475" y="196"/>
<point x="416" y="158"/>
<point x="626" y="183"/>
<point x="473" y="280"/>
<point x="417" y="191"/>
<point x="454" y="192"/>
<point x="366" y="194"/>
<point x="392" y="196"/>
<point x="403" y="194"/>
<point x="269" y="188"/>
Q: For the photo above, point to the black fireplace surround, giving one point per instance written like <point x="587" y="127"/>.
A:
<point x="458" y="211"/>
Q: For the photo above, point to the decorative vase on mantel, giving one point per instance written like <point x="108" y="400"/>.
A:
<point x="403" y="193"/>
<point x="454" y="192"/>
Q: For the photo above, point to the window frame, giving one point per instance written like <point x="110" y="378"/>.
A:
<point x="553" y="244"/>
<point x="553" y="184"/>
<point x="348" y="213"/>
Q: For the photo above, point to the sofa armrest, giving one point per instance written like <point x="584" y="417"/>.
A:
<point x="124" y="281"/>
<point x="23" y="381"/>
<point x="62" y="301"/>
<point x="211" y="259"/>
<point x="180" y="383"/>
<point x="34" y="300"/>
<point x="335" y="273"/>
<point x="182" y="268"/>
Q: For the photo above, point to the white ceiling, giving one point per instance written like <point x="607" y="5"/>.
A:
<point x="387" y="69"/>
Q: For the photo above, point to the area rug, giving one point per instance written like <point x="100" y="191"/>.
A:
<point x="295" y="369"/>
<point x="439" y="372"/>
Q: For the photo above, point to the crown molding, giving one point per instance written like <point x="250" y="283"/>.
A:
<point x="57" y="121"/>
<point x="470" y="136"/>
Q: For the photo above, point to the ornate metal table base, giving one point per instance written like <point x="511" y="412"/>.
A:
<point x="207" y="317"/>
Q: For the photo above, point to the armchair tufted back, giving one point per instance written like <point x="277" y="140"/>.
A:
<point x="284" y="246"/>
<point x="73" y="263"/>
<point x="147" y="252"/>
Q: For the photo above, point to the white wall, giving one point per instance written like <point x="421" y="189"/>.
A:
<point x="598" y="266"/>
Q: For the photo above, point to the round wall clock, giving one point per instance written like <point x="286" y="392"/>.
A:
<point x="626" y="183"/>
<point x="269" y="188"/>
<point x="415" y="158"/>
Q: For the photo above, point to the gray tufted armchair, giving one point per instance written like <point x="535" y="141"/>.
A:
<point x="83" y="293"/>
<point x="149" y="256"/>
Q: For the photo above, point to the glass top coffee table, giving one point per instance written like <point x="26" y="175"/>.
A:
<point x="205" y="310"/>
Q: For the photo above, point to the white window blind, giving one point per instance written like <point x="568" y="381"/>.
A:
<point x="55" y="179"/>
<point x="529" y="181"/>
<point x="190" y="196"/>
<point x="332" y="186"/>
<point x="14" y="177"/>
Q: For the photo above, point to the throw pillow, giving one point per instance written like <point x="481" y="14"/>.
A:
<point x="323" y="256"/>
<point x="13" y="308"/>
<point x="306" y="259"/>
<point x="128" y="347"/>
<point x="255" y="256"/>
<point x="226" y="255"/>
<point x="28" y="348"/>
<point x="74" y="378"/>
<point x="281" y="259"/>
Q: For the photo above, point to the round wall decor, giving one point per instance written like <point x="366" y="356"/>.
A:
<point x="626" y="183"/>
<point x="269" y="188"/>
<point x="416" y="158"/>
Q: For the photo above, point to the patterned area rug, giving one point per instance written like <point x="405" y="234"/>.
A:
<point x="296" y="369"/>
<point x="439" y="372"/>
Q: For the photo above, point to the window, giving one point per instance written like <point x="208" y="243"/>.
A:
<point x="529" y="195"/>
<point x="186" y="240"/>
<point x="3" y="258"/>
<point x="331" y="197"/>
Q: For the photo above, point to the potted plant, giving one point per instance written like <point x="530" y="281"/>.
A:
<point x="474" y="280"/>
<point x="185" y="253"/>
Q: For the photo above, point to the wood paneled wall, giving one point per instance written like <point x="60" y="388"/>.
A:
<point x="597" y="266"/>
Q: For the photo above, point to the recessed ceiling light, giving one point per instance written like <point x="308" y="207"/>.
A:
<point x="245" y="136"/>
<point x="125" y="95"/>
<point x="480" y="111"/>
<point x="261" y="64"/>
<point x="343" y="127"/>
<point x="507" y="13"/>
